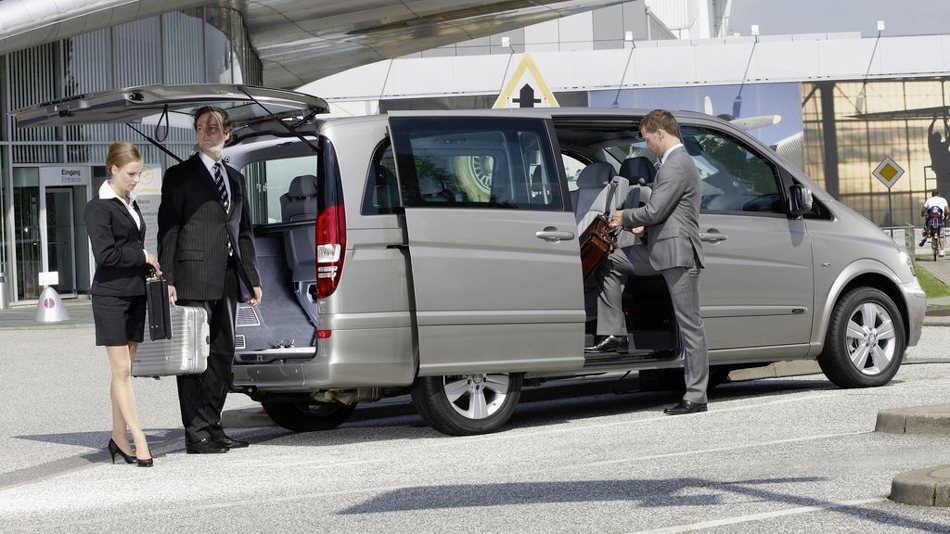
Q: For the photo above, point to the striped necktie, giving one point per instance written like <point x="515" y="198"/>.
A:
<point x="223" y="193"/>
<point x="222" y="190"/>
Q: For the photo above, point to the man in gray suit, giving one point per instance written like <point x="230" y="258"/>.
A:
<point x="670" y="221"/>
<point x="205" y="238"/>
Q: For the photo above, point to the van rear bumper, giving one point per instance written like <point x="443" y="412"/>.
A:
<point x="916" y="301"/>
<point x="371" y="357"/>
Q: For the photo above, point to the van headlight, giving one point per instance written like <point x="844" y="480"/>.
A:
<point x="909" y="261"/>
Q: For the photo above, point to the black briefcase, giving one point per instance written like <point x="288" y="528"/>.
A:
<point x="159" y="312"/>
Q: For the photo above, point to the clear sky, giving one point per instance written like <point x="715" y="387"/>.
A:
<point x="902" y="17"/>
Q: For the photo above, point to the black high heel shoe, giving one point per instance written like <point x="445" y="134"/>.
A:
<point x="114" y="449"/>
<point x="144" y="463"/>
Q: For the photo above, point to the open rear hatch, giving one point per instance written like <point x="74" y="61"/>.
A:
<point x="171" y="105"/>
<point x="285" y="252"/>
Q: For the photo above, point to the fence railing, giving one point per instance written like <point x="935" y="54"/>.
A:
<point x="905" y="238"/>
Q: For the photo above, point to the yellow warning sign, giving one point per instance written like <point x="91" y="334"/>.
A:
<point x="526" y="88"/>
<point x="888" y="172"/>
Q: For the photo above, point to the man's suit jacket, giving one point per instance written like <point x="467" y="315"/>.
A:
<point x="671" y="217"/>
<point x="194" y="231"/>
<point x="118" y="246"/>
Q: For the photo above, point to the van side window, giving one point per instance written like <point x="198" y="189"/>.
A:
<point x="734" y="177"/>
<point x="476" y="163"/>
<point x="382" y="189"/>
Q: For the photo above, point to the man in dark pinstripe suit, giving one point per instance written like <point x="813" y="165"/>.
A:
<point x="206" y="249"/>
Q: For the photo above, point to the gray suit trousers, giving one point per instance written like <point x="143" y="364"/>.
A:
<point x="683" y="285"/>
<point x="611" y="277"/>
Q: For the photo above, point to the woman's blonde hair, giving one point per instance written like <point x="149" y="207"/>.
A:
<point x="122" y="153"/>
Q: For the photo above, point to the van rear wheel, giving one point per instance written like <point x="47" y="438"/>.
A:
<point x="308" y="417"/>
<point x="465" y="405"/>
<point x="865" y="342"/>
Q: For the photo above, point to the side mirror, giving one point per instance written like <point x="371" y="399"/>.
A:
<point x="799" y="200"/>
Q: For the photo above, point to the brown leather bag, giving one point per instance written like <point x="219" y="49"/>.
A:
<point x="597" y="241"/>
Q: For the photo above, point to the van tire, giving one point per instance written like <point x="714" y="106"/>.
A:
<point x="308" y="417"/>
<point x="880" y="336"/>
<point x="495" y="395"/>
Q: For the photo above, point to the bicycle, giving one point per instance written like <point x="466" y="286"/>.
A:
<point x="934" y="227"/>
<point x="935" y="241"/>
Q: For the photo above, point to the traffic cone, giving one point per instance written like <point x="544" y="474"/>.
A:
<point x="50" y="307"/>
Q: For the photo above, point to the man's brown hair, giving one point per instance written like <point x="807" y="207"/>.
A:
<point x="660" y="119"/>
<point x="223" y="119"/>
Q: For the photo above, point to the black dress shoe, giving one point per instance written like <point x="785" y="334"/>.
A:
<point x="609" y="344"/>
<point x="205" y="446"/>
<point x="685" y="407"/>
<point x="231" y="443"/>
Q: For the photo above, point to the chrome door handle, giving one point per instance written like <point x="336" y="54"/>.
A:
<point x="554" y="235"/>
<point x="712" y="237"/>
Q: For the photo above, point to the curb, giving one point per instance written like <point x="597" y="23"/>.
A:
<point x="915" y="420"/>
<point x="923" y="487"/>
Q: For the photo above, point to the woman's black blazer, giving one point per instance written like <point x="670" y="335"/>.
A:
<point x="118" y="248"/>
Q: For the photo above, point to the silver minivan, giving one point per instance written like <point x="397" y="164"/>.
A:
<point x="436" y="253"/>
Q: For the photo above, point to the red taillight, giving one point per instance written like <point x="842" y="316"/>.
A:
<point x="331" y="248"/>
<point x="323" y="334"/>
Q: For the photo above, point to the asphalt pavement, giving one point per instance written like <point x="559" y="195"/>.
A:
<point x="791" y="454"/>
<point x="785" y="454"/>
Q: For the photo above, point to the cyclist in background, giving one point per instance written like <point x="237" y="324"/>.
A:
<point x="933" y="212"/>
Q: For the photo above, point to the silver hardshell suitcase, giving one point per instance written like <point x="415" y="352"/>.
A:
<point x="185" y="353"/>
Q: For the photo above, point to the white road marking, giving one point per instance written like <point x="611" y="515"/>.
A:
<point x="759" y="517"/>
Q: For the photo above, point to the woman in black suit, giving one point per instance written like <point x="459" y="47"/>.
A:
<point x="117" y="232"/>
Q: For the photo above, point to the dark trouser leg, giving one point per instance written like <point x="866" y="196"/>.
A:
<point x="683" y="284"/>
<point x="611" y="277"/>
<point x="201" y="397"/>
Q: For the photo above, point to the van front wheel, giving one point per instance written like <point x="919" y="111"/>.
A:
<point x="865" y="342"/>
<point x="465" y="405"/>
<point x="308" y="417"/>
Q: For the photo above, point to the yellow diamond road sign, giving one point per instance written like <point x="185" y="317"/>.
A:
<point x="888" y="172"/>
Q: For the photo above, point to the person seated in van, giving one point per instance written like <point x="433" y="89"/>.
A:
<point x="933" y="212"/>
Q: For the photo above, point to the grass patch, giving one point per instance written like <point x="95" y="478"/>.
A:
<point x="934" y="288"/>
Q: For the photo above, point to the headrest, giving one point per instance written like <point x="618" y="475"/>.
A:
<point x="693" y="148"/>
<point x="430" y="185"/>
<point x="303" y="186"/>
<point x="638" y="167"/>
<point x="595" y="176"/>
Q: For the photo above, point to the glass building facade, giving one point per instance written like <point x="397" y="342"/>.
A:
<point x="48" y="174"/>
<point x="851" y="126"/>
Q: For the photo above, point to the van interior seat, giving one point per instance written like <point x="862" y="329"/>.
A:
<point x="641" y="173"/>
<point x="300" y="200"/>
<point x="299" y="203"/>
<point x="638" y="167"/>
<point x="592" y="192"/>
